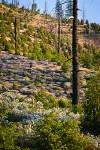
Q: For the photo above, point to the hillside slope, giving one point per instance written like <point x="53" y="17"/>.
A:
<point x="28" y="24"/>
<point x="27" y="77"/>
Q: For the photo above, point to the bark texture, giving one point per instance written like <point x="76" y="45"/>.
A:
<point x="75" y="62"/>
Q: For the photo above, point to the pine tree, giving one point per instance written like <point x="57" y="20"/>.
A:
<point x="59" y="15"/>
<point x="69" y="8"/>
<point x="4" y="2"/>
<point x="34" y="7"/>
<point x="58" y="9"/>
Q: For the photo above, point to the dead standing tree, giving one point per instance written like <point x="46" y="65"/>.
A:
<point x="59" y="15"/>
<point x="15" y="30"/>
<point x="75" y="63"/>
<point x="59" y="38"/>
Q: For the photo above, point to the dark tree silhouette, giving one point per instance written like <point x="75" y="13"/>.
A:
<point x="69" y="8"/>
<point x="59" y="15"/>
<point x="75" y="63"/>
<point x="15" y="26"/>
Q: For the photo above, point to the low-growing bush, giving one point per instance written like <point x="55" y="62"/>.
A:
<point x="48" y="100"/>
<point x="62" y="103"/>
<point x="8" y="134"/>
<point x="91" y="122"/>
<point x="65" y="67"/>
<point x="53" y="134"/>
<point x="22" y="99"/>
<point x="15" y="86"/>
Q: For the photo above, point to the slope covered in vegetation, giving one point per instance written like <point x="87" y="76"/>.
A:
<point x="36" y="40"/>
<point x="36" y="86"/>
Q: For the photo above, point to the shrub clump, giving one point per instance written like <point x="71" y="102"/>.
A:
<point x="48" y="100"/>
<point x="91" y="121"/>
<point x="53" y="134"/>
<point x="15" y="86"/>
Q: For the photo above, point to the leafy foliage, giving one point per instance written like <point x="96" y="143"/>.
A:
<point x="48" y="100"/>
<point x="66" y="67"/>
<point x="8" y="135"/>
<point x="89" y="57"/>
<point x="62" y="103"/>
<point x="95" y="27"/>
<point x="15" y="86"/>
<point x="69" y="8"/>
<point x="52" y="134"/>
<point x="92" y="106"/>
<point x="58" y="9"/>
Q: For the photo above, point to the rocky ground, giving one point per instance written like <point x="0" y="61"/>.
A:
<point x="17" y="74"/>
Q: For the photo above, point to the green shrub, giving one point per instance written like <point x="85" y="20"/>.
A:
<point x="48" y="55"/>
<point x="48" y="100"/>
<point x="5" y="88"/>
<point x="53" y="134"/>
<point x="8" y="135"/>
<point x="65" y="67"/>
<point x="15" y="86"/>
<point x="53" y="59"/>
<point x="9" y="47"/>
<point x="3" y="39"/>
<point x="92" y="107"/>
<point x="86" y="59"/>
<point x="96" y="59"/>
<point x="78" y="108"/>
<point x="22" y="99"/>
<point x="62" y="103"/>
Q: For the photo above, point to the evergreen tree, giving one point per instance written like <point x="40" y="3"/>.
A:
<point x="82" y="21"/>
<point x="59" y="15"/>
<point x="69" y="8"/>
<point x="34" y="7"/>
<point x="4" y="2"/>
<point x="87" y="22"/>
<point x="58" y="9"/>
<point x="16" y="3"/>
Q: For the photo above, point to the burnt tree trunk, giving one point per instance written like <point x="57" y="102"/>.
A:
<point x="59" y="43"/>
<point x="75" y="64"/>
<point x="15" y="26"/>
